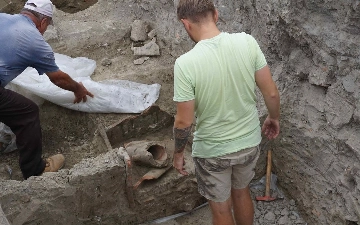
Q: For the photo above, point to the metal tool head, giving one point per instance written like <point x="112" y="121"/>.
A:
<point x="265" y="198"/>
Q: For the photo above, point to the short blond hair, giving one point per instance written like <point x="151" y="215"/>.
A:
<point x="195" y="10"/>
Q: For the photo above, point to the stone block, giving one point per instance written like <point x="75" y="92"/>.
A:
<point x="138" y="31"/>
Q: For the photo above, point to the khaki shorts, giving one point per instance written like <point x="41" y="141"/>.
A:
<point x="216" y="176"/>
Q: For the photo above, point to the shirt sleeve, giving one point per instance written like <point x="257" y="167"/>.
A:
<point x="183" y="87"/>
<point x="37" y="53"/>
<point x="45" y="59"/>
<point x="258" y="55"/>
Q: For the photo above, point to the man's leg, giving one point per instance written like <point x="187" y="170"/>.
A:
<point x="214" y="183"/>
<point x="243" y="206"/>
<point x="243" y="173"/>
<point x="22" y="116"/>
<point x="221" y="212"/>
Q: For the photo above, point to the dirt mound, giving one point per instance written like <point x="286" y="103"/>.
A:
<point x="69" y="6"/>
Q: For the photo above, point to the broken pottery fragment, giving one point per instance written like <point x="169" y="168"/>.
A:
<point x="149" y="49"/>
<point x="141" y="60"/>
<point x="151" y="175"/>
<point x="152" y="34"/>
<point x="148" y="153"/>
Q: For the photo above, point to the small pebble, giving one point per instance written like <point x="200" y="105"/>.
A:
<point x="106" y="62"/>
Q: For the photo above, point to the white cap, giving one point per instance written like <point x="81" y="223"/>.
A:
<point x="44" y="7"/>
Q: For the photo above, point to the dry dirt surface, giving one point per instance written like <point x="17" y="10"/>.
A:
<point x="281" y="211"/>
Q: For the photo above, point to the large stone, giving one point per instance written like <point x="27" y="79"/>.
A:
<point x="339" y="110"/>
<point x="300" y="63"/>
<point x="319" y="76"/>
<point x="138" y="31"/>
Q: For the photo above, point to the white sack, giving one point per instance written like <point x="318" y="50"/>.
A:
<point x="110" y="96"/>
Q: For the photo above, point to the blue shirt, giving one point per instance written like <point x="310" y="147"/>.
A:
<point x="21" y="46"/>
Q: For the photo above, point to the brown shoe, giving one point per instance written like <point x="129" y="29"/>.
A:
<point x="54" y="163"/>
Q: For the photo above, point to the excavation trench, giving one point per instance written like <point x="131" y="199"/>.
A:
<point x="119" y="173"/>
<point x="105" y="184"/>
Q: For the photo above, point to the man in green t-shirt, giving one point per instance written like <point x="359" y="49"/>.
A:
<point x="215" y="82"/>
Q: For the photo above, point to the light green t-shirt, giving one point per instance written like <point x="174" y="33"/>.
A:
<point x="219" y="73"/>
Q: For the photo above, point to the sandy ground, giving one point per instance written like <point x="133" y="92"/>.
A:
<point x="279" y="211"/>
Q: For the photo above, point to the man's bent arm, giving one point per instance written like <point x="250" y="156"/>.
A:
<point x="269" y="91"/>
<point x="182" y="132"/>
<point x="181" y="136"/>
<point x="64" y="81"/>
<point x="268" y="88"/>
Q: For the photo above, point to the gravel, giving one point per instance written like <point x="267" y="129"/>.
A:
<point x="281" y="211"/>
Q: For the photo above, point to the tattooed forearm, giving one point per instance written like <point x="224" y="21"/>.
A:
<point x="181" y="137"/>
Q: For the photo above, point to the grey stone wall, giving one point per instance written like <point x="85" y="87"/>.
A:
<point x="313" y="48"/>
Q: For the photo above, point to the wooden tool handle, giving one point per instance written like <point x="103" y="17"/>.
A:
<point x="268" y="174"/>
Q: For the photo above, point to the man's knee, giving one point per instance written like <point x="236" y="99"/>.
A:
<point x="220" y="207"/>
<point x="240" y="193"/>
<point x="33" y="107"/>
<point x="32" y="111"/>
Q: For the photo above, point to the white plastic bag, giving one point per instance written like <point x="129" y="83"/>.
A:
<point x="111" y="96"/>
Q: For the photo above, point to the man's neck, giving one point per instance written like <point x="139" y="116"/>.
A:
<point x="206" y="32"/>
<point x="30" y="15"/>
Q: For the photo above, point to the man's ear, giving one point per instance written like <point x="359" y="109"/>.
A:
<point x="216" y="16"/>
<point x="186" y="24"/>
<point x="44" y="22"/>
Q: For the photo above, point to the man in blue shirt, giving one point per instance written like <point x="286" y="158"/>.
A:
<point x="22" y="46"/>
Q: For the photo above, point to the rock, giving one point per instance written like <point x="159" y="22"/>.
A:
<point x="5" y="171"/>
<point x="349" y="81"/>
<point x="293" y="217"/>
<point x="106" y="62"/>
<point x="149" y="49"/>
<point x="300" y="63"/>
<point x="261" y="220"/>
<point x="300" y="221"/>
<point x="138" y="31"/>
<point x="292" y="202"/>
<point x="277" y="212"/>
<point x="257" y="213"/>
<point x="339" y="110"/>
<point x="3" y="219"/>
<point x="284" y="212"/>
<point x="225" y="12"/>
<point x="51" y="34"/>
<point x="152" y="34"/>
<point x="356" y="115"/>
<point x="284" y="220"/>
<point x="270" y="216"/>
<point x="141" y="60"/>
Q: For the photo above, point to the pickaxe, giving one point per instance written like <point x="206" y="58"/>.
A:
<point x="267" y="196"/>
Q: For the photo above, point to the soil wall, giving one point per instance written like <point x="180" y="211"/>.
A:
<point x="313" y="48"/>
